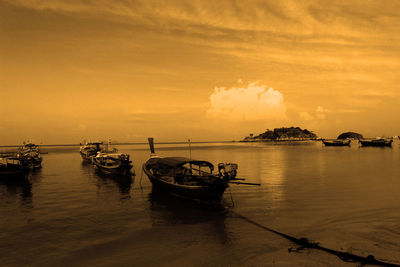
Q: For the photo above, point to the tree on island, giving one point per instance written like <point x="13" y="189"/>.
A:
<point x="283" y="134"/>
<point x="350" y="135"/>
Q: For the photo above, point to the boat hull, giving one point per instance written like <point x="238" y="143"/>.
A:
<point x="122" y="170"/>
<point x="376" y="143"/>
<point x="336" y="143"/>
<point x="87" y="157"/>
<point x="206" y="193"/>
<point x="13" y="172"/>
<point x="34" y="163"/>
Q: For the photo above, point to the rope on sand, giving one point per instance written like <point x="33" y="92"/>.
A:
<point x="305" y="243"/>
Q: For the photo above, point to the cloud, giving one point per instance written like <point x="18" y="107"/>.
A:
<point x="305" y="116"/>
<point x="255" y="102"/>
<point x="320" y="113"/>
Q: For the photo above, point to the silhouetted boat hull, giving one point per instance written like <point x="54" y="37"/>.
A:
<point x="377" y="142"/>
<point x="337" y="142"/>
<point x="113" y="164"/>
<point x="202" y="193"/>
<point x="204" y="187"/>
<point x="12" y="168"/>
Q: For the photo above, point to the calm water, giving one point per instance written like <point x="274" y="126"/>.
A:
<point x="345" y="198"/>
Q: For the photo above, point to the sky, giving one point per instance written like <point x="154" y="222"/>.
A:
<point x="199" y="70"/>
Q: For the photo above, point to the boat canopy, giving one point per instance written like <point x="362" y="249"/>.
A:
<point x="174" y="162"/>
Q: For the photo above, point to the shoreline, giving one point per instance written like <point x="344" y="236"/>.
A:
<point x="133" y="143"/>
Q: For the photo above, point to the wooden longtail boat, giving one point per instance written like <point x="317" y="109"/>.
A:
<point x="336" y="142"/>
<point x="29" y="155"/>
<point x="89" y="150"/>
<point x="113" y="163"/>
<point x="188" y="178"/>
<point x="376" y="142"/>
<point x="12" y="167"/>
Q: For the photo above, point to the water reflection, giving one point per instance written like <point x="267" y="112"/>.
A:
<point x="87" y="168"/>
<point x="123" y="183"/>
<point x="21" y="187"/>
<point x="168" y="210"/>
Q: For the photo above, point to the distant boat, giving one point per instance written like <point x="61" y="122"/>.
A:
<point x="12" y="167"/>
<point x="376" y="142"/>
<point x="113" y="163"/>
<point x="90" y="150"/>
<point x="189" y="178"/>
<point x="336" y="142"/>
<point x="29" y="155"/>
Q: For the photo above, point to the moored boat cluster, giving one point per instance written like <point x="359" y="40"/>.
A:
<point x="106" y="160"/>
<point x="378" y="142"/>
<point x="178" y="176"/>
<point x="26" y="159"/>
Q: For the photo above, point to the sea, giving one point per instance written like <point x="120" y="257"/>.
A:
<point x="345" y="198"/>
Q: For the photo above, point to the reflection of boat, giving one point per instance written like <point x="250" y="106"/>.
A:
<point x="376" y="142"/>
<point x="89" y="150"/>
<point x="187" y="178"/>
<point x="124" y="183"/>
<point x="12" y="167"/>
<point x="167" y="210"/>
<point x="113" y="163"/>
<point x="336" y="142"/>
<point x="29" y="155"/>
<point x="22" y="187"/>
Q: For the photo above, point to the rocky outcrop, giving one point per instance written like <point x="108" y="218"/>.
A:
<point x="350" y="135"/>
<point x="290" y="133"/>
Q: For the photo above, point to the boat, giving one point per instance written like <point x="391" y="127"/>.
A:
<point x="12" y="167"/>
<point x="90" y="150"/>
<point x="376" y="142"/>
<point x="336" y="142"/>
<point x="29" y="155"/>
<point x="188" y="178"/>
<point x="113" y="163"/>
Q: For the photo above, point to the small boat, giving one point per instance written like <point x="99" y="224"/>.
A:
<point x="12" y="167"/>
<point x="189" y="178"/>
<point x="29" y="155"/>
<point x="90" y="150"/>
<point x="336" y="142"/>
<point x="113" y="163"/>
<point x="376" y="142"/>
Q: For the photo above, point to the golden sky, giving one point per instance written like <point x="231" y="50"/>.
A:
<point x="204" y="70"/>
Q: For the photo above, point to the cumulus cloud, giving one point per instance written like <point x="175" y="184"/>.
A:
<point x="255" y="102"/>
<point x="319" y="114"/>
<point x="305" y="116"/>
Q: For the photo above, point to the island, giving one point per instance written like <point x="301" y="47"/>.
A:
<point x="350" y="135"/>
<point x="282" y="134"/>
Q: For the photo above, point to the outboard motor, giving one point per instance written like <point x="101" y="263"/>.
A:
<point x="227" y="170"/>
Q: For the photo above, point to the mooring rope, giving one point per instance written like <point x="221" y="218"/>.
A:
<point x="305" y="243"/>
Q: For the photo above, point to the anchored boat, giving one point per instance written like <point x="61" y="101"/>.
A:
<point x="29" y="155"/>
<point x="12" y="167"/>
<point x="113" y="163"/>
<point x="336" y="142"/>
<point x="188" y="178"/>
<point x="376" y="142"/>
<point x="90" y="150"/>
